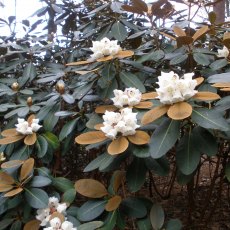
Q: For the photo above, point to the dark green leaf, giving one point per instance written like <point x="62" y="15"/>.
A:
<point x="40" y="181"/>
<point x="17" y="225"/>
<point x="218" y="64"/>
<point x="52" y="140"/>
<point x="187" y="154"/>
<point x="107" y="75"/>
<point x="67" y="129"/>
<point x="5" y="223"/>
<point x="119" y="31"/>
<point x="108" y="91"/>
<point x="222" y="77"/>
<point x="133" y="207"/>
<point x="209" y="119"/>
<point x="131" y="80"/>
<point x="159" y="166"/>
<point x="178" y="59"/>
<point x="136" y="173"/>
<point x="201" y="58"/>
<point x="36" y="198"/>
<point x="91" y="210"/>
<point x="41" y="146"/>
<point x="69" y="196"/>
<point x="90" y="225"/>
<point x="28" y="73"/>
<point x="110" y="221"/>
<point x="62" y="184"/>
<point x="174" y="224"/>
<point x="141" y="151"/>
<point x="144" y="224"/>
<point x="227" y="171"/>
<point x="164" y="137"/>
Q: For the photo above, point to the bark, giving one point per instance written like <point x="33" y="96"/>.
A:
<point x="219" y="9"/>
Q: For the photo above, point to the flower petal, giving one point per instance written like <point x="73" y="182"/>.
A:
<point x="206" y="96"/>
<point x="180" y="110"/>
<point x="90" y="137"/>
<point x="139" y="138"/>
<point x="9" y="133"/>
<point x="199" y="80"/>
<point x="118" y="145"/>
<point x="11" y="139"/>
<point x="144" y="105"/>
<point x="30" y="139"/>
<point x="103" y="108"/>
<point x="147" y="96"/>
<point x="154" y="114"/>
<point x="124" y="53"/>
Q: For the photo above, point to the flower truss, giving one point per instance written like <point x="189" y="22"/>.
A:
<point x="120" y="128"/>
<point x="130" y="97"/>
<point x="173" y="93"/>
<point x="223" y="53"/>
<point x="44" y="215"/>
<point x="105" y="50"/>
<point x="24" y="130"/>
<point x="57" y="224"/>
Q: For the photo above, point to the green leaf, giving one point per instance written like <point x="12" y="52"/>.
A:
<point x="210" y="119"/>
<point x="91" y="210"/>
<point x="63" y="184"/>
<point x="69" y="196"/>
<point x="205" y="141"/>
<point x="174" y="224"/>
<point x="107" y="75"/>
<point x="67" y="129"/>
<point x="28" y="73"/>
<point x="144" y="224"/>
<point x="51" y="120"/>
<point x="133" y="207"/>
<point x="102" y="160"/>
<point x="36" y="198"/>
<point x="201" y="58"/>
<point x="222" y="77"/>
<point x="41" y="146"/>
<point x="187" y="154"/>
<point x="5" y="223"/>
<point x="131" y="80"/>
<point x="52" y="140"/>
<point x="119" y="31"/>
<point x="90" y="225"/>
<point x="153" y="55"/>
<point x="159" y="166"/>
<point x="110" y="221"/>
<point x="40" y="181"/>
<point x="94" y="119"/>
<point x="136" y="173"/>
<point x="157" y="216"/>
<point x="164" y="137"/>
<point x="178" y="59"/>
<point x="108" y="91"/>
<point x="218" y="64"/>
<point x="17" y="225"/>
<point x="183" y="179"/>
<point x="141" y="151"/>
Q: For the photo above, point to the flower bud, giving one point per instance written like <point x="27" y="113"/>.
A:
<point x="15" y="86"/>
<point x="60" y="87"/>
<point x="29" y="101"/>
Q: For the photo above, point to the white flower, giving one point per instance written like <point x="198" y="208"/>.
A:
<point x="130" y="96"/>
<point x="55" y="224"/>
<point x="53" y="206"/>
<point x="2" y="157"/>
<point x="223" y="53"/>
<point x="124" y="122"/>
<point x="25" y="128"/>
<point x="66" y="225"/>
<point x="173" y="89"/>
<point x="105" y="47"/>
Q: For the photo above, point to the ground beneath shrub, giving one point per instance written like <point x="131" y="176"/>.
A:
<point x="216" y="217"/>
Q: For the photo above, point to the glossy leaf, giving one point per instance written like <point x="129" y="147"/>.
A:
<point x="119" y="31"/>
<point x="11" y="164"/>
<point x="41" y="146"/>
<point x="40" y="181"/>
<point x="174" y="224"/>
<point x="90" y="225"/>
<point x="67" y="129"/>
<point x="157" y="216"/>
<point x="63" y="184"/>
<point x="164" y="137"/>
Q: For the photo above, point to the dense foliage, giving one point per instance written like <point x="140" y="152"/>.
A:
<point x="155" y="104"/>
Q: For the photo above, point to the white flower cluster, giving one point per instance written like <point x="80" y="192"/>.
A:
<point x="124" y="122"/>
<point x="54" y="224"/>
<point x="173" y="89"/>
<point x="223" y="53"/>
<point x="25" y="128"/>
<point x="131" y="97"/>
<point x="105" y="47"/>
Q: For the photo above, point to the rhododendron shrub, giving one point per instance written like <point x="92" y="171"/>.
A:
<point x="111" y="111"/>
